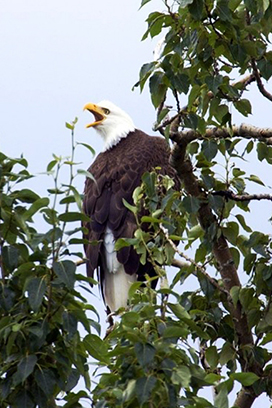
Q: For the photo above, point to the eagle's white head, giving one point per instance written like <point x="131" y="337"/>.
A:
<point x="111" y="122"/>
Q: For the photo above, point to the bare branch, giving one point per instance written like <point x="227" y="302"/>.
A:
<point x="177" y="263"/>
<point x="245" y="131"/>
<point x="245" y="197"/>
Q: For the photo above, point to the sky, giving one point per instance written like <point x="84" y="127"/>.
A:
<point x="58" y="55"/>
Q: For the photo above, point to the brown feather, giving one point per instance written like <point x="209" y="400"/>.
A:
<point x="118" y="172"/>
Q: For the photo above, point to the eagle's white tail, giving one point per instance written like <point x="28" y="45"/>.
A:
<point x="116" y="281"/>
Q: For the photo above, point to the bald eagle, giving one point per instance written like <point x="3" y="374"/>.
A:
<point x="128" y="153"/>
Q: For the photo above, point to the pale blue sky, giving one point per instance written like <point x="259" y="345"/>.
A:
<point x="58" y="55"/>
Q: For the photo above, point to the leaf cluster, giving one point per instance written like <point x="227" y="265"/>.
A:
<point x="43" y="354"/>
<point x="206" y="44"/>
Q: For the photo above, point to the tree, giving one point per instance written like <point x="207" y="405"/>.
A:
<point x="171" y="343"/>
<point x="155" y="359"/>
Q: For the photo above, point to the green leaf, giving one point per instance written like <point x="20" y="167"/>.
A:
<point x="184" y="3"/>
<point x="243" y="106"/>
<point x="145" y="73"/>
<point x="255" y="179"/>
<point x="214" y="82"/>
<point x="65" y="271"/>
<point x="191" y="204"/>
<point x="209" y="149"/>
<point x="35" y="207"/>
<point x="196" y="9"/>
<point x="243" y="223"/>
<point x="24" y="369"/>
<point x="157" y="88"/>
<point x="72" y="380"/>
<point x="221" y="397"/>
<point x="87" y="174"/>
<point x="131" y="208"/>
<point x="87" y="147"/>
<point x="69" y="126"/>
<point x="69" y="324"/>
<point x="179" y="311"/>
<point x="175" y="331"/>
<point x="246" y="379"/>
<point x="144" y="387"/>
<point x="97" y="348"/>
<point x="23" y="400"/>
<point x="265" y="68"/>
<point x="25" y="195"/>
<point x="181" y="376"/>
<point x="51" y="165"/>
<point x="145" y="353"/>
<point x="234" y="293"/>
<point x="262" y="150"/>
<point x="130" y="318"/>
<point x="212" y="357"/>
<point x="46" y="380"/>
<point x="76" y="195"/>
<point x="10" y="257"/>
<point x="73" y="216"/>
<point x="181" y="82"/>
<point x="36" y="288"/>
<point x="221" y="113"/>
<point x="224" y="11"/>
<point x="144" y="2"/>
<point x="231" y="232"/>
<point x="235" y="256"/>
<point x="227" y="353"/>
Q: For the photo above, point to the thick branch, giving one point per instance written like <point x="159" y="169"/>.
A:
<point x="244" y="197"/>
<point x="245" y="398"/>
<point x="244" y="130"/>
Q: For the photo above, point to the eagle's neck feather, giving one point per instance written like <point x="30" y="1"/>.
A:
<point x="114" y="132"/>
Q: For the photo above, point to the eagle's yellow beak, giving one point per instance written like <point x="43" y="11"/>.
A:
<point x="98" y="113"/>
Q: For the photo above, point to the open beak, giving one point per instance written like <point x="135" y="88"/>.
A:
<point x="98" y="113"/>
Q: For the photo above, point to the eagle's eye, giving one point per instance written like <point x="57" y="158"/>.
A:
<point x="106" y="111"/>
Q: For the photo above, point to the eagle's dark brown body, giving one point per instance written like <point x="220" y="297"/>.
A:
<point x="117" y="173"/>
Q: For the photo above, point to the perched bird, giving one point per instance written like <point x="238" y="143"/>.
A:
<point x="128" y="153"/>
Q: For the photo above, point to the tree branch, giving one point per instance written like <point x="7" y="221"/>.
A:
<point x="245" y="197"/>
<point x="245" y="131"/>
<point x="189" y="262"/>
<point x="221" y="252"/>
<point x="260" y="85"/>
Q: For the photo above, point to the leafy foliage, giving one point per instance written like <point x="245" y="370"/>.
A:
<point x="205" y="44"/>
<point x="43" y="353"/>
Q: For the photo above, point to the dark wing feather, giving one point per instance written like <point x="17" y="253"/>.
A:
<point x="117" y="173"/>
